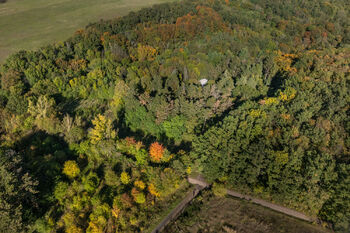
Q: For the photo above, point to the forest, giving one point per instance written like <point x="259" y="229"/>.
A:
<point x="99" y="132"/>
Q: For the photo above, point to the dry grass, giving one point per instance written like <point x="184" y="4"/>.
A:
<point x="227" y="215"/>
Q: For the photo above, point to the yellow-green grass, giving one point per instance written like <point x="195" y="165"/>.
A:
<point x="29" y="24"/>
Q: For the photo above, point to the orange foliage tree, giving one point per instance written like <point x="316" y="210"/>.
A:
<point x="156" y="151"/>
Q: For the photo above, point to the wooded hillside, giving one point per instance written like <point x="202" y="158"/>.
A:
<point x="98" y="132"/>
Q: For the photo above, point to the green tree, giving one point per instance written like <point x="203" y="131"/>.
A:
<point x="17" y="190"/>
<point x="175" y="128"/>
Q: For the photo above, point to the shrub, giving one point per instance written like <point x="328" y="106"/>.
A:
<point x="219" y="190"/>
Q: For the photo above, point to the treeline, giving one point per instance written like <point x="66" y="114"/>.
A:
<point x="99" y="131"/>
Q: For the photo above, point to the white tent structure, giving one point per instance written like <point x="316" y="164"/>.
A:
<point x="203" y="81"/>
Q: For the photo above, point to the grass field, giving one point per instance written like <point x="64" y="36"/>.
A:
<point x="208" y="213"/>
<point x="29" y="24"/>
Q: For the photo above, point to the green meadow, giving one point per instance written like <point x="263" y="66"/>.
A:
<point x="29" y="24"/>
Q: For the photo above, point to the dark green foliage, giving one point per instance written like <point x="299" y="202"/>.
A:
<point x="17" y="190"/>
<point x="290" y="145"/>
<point x="336" y="209"/>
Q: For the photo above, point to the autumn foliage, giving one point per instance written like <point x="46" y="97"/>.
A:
<point x="186" y="27"/>
<point x="272" y="118"/>
<point x="205" y="19"/>
<point x="152" y="190"/>
<point x="71" y="169"/>
<point x="156" y="152"/>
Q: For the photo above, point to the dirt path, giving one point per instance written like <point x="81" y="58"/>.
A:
<point x="201" y="184"/>
<point x="281" y="209"/>
<point x="178" y="209"/>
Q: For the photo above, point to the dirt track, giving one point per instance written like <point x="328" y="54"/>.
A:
<point x="178" y="209"/>
<point x="281" y="209"/>
<point x="201" y="184"/>
<point x="212" y="214"/>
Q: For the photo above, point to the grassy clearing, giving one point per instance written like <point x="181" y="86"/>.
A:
<point x="29" y="24"/>
<point x="208" y="213"/>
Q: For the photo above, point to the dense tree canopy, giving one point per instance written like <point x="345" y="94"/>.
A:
<point x="98" y="132"/>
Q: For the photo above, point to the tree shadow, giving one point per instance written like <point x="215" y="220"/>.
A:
<point x="276" y="84"/>
<point x="44" y="156"/>
<point x="67" y="105"/>
<point x="3" y="1"/>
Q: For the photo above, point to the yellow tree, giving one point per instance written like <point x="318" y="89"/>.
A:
<point x="125" y="178"/>
<point x="71" y="169"/>
<point x="120" y="91"/>
<point x="103" y="129"/>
